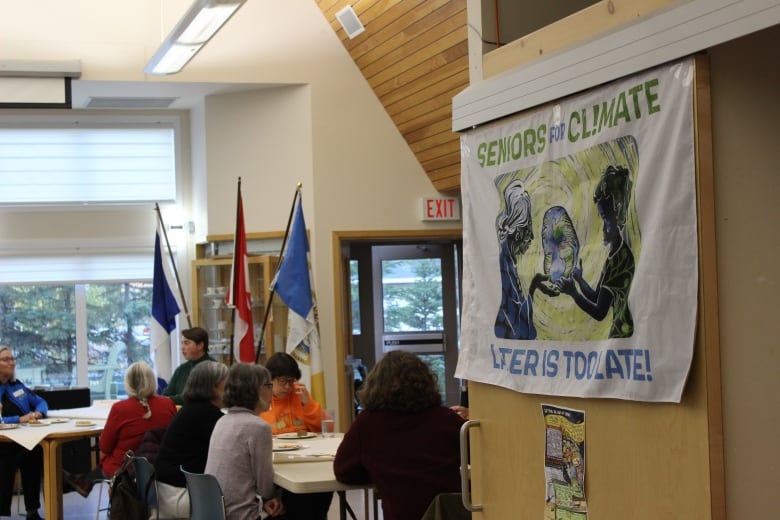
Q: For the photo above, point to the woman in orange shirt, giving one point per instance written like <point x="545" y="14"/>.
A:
<point x="292" y="408"/>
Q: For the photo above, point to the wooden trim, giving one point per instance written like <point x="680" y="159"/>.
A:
<point x="568" y="32"/>
<point x="709" y="329"/>
<point x="260" y="235"/>
<point x="681" y="29"/>
<point x="341" y="297"/>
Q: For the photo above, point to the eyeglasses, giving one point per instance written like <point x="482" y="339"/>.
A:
<point x="8" y="359"/>
<point x="285" y="381"/>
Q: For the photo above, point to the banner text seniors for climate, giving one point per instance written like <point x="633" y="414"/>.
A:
<point x="580" y="243"/>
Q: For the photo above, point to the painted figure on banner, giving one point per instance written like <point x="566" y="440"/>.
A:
<point x="514" y="227"/>
<point x="612" y="197"/>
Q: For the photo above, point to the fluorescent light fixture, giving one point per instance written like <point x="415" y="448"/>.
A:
<point x="198" y="25"/>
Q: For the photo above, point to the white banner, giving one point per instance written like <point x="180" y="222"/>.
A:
<point x="580" y="245"/>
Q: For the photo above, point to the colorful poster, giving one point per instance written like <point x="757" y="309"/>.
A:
<point x="564" y="464"/>
<point x="580" y="244"/>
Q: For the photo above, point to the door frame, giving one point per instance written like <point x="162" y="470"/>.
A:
<point x="341" y="241"/>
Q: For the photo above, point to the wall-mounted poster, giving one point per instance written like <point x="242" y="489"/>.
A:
<point x="580" y="244"/>
<point x="564" y="464"/>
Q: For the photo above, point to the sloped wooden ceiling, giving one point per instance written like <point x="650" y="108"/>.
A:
<point x="414" y="54"/>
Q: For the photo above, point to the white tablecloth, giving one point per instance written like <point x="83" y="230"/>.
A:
<point x="30" y="436"/>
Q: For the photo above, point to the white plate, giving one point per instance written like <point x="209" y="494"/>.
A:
<point x="84" y="423"/>
<point x="9" y="426"/>
<point x="294" y="435"/>
<point x="56" y="420"/>
<point x="287" y="447"/>
<point x="39" y="423"/>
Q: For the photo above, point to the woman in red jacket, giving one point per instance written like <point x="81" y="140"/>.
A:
<point x="127" y="422"/>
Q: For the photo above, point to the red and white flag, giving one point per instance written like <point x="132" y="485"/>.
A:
<point x="239" y="293"/>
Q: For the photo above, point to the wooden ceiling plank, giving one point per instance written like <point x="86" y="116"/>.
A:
<point x="433" y="141"/>
<point x="415" y="25"/>
<point x="399" y="63"/>
<point x="457" y="54"/>
<point x="434" y="128"/>
<point x="441" y="113"/>
<point x="441" y="162"/>
<point x="409" y="43"/>
<point x="440" y="151"/>
<point x="424" y="82"/>
<point x="456" y="81"/>
<point x="385" y="24"/>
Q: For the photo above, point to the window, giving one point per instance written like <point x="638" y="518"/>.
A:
<point x="75" y="164"/>
<point x="41" y="324"/>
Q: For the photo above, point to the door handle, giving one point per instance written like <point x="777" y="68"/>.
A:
<point x="465" y="466"/>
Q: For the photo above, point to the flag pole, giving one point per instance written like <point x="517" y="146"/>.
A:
<point x="173" y="262"/>
<point x="234" y="280"/>
<point x="272" y="292"/>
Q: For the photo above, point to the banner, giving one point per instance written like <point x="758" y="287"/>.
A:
<point x="295" y="286"/>
<point x="580" y="245"/>
<point x="165" y="306"/>
<point x="239" y="295"/>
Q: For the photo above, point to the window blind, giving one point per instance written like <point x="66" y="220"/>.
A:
<point x="87" y="165"/>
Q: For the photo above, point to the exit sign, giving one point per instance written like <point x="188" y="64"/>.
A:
<point x="441" y="208"/>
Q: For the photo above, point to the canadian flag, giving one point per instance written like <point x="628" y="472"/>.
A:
<point x="239" y="294"/>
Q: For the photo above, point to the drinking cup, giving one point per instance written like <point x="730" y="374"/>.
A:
<point x="328" y="423"/>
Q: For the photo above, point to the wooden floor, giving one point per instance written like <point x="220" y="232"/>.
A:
<point x="76" y="507"/>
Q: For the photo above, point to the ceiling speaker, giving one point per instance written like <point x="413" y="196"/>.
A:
<point x="350" y="22"/>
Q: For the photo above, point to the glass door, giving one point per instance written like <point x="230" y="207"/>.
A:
<point x="416" y="306"/>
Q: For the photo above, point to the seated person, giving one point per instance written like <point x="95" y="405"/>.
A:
<point x="194" y="348"/>
<point x="241" y="450"/>
<point x="292" y="410"/>
<point x="186" y="442"/>
<point x="404" y="442"/>
<point x="127" y="422"/>
<point x="19" y="405"/>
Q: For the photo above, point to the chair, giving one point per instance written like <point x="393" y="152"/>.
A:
<point x="146" y="483"/>
<point x="447" y="506"/>
<point x="102" y="388"/>
<point x="206" y="499"/>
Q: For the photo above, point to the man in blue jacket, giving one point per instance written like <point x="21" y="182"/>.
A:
<point x="19" y="405"/>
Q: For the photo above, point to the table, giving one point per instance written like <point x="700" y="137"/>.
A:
<point x="51" y="437"/>
<point x="310" y="469"/>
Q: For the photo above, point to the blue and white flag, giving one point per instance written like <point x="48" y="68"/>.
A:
<point x="293" y="283"/>
<point x="166" y="306"/>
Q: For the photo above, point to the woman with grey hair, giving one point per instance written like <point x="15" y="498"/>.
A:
<point x="131" y="418"/>
<point x="186" y="443"/>
<point x="240" y="451"/>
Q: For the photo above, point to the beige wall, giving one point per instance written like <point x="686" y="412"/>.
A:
<point x="321" y="124"/>
<point x="745" y="75"/>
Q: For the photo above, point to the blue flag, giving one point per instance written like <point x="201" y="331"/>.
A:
<point x="293" y="284"/>
<point x="165" y="307"/>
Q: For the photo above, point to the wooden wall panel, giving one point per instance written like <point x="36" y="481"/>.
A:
<point x="414" y="55"/>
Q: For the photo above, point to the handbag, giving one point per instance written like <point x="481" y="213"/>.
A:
<point x="124" y="501"/>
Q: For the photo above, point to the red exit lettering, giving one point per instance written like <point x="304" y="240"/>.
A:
<point x="441" y="209"/>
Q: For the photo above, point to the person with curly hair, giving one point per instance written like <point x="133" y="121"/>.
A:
<point x="404" y="442"/>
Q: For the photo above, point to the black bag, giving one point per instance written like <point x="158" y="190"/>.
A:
<point x="124" y="493"/>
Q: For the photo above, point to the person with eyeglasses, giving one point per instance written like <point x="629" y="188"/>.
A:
<point x="294" y="410"/>
<point x="292" y="407"/>
<point x="19" y="405"/>
<point x="240" y="453"/>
